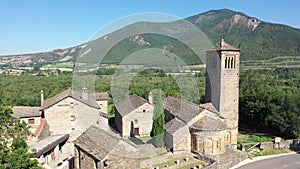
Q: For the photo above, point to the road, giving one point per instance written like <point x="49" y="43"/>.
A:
<point x="283" y="162"/>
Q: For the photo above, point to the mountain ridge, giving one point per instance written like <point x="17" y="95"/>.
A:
<point x="257" y="40"/>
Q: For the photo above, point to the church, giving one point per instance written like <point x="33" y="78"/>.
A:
<point x="211" y="127"/>
<point x="207" y="128"/>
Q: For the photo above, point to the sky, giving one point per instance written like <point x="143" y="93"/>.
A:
<point x="29" y="26"/>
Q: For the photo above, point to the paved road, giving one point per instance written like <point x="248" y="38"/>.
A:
<point x="283" y="162"/>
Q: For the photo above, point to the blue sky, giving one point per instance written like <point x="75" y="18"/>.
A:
<point x="34" y="26"/>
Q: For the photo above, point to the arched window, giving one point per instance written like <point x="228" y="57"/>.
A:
<point x="226" y="63"/>
<point x="234" y="62"/>
<point x="231" y="63"/>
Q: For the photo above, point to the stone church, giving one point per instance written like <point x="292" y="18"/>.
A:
<point x="211" y="127"/>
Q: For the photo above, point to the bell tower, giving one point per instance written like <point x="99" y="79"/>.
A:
<point x="222" y="81"/>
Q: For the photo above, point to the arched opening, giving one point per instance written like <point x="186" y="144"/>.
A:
<point x="228" y="138"/>
<point x="226" y="63"/>
<point x="194" y="142"/>
<point x="208" y="146"/>
<point x="231" y="63"/>
<point x="200" y="145"/>
<point x="234" y="62"/>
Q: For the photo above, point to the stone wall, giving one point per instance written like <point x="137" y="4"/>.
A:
<point x="141" y="118"/>
<point x="291" y="144"/>
<point x="85" y="161"/>
<point x="229" y="89"/>
<point x="182" y="139"/>
<point x="70" y="116"/>
<point x="226" y="160"/>
<point x="103" y="105"/>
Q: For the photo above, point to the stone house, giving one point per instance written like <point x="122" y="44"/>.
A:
<point x="72" y="112"/>
<point x="102" y="100"/>
<point x="52" y="151"/>
<point x="134" y="117"/>
<point x="97" y="148"/>
<point x="30" y="115"/>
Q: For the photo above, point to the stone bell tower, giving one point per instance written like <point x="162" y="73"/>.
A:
<point x="222" y="81"/>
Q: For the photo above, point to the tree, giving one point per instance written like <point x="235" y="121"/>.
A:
<point x="158" y="117"/>
<point x="13" y="148"/>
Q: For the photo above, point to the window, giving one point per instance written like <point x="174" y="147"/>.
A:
<point x="73" y="118"/>
<point x="30" y="121"/>
<point x="228" y="63"/>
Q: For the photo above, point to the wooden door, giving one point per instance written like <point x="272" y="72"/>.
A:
<point x="136" y="132"/>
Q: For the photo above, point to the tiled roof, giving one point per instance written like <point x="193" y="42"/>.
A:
<point x="46" y="144"/>
<point x="210" y="107"/>
<point x="101" y="96"/>
<point x="21" y="112"/>
<point x="211" y="122"/>
<point x="129" y="104"/>
<point x="181" y="109"/>
<point x="223" y="46"/>
<point x="69" y="93"/>
<point x="173" y="125"/>
<point x="97" y="142"/>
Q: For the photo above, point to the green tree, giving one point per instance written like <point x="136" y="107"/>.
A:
<point x="13" y="148"/>
<point x="158" y="117"/>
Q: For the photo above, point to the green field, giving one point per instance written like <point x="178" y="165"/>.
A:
<point x="276" y="62"/>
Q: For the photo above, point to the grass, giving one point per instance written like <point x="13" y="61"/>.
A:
<point x="60" y="65"/>
<point x="280" y="61"/>
<point x="168" y="163"/>
<point x="250" y="139"/>
<point x="268" y="151"/>
<point x="192" y="165"/>
<point x="145" y="138"/>
<point x="172" y="163"/>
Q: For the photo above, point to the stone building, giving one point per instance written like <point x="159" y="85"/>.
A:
<point x="134" y="117"/>
<point x="30" y="115"/>
<point x="53" y="151"/>
<point x="102" y="100"/>
<point x="72" y="112"/>
<point x="211" y="127"/>
<point x="98" y="148"/>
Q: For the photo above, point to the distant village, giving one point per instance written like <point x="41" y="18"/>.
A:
<point x="73" y="129"/>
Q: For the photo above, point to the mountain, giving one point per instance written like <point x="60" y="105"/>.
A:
<point x="256" y="39"/>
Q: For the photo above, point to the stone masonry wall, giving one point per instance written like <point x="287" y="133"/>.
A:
<point x="291" y="144"/>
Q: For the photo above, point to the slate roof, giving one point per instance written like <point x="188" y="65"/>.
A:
<point x="69" y="93"/>
<point x="129" y="104"/>
<point x="210" y="107"/>
<point x="101" y="96"/>
<point x="46" y="144"/>
<point x="97" y="142"/>
<point x="21" y="112"/>
<point x="181" y="109"/>
<point x="223" y="46"/>
<point x="173" y="125"/>
<point x="210" y="122"/>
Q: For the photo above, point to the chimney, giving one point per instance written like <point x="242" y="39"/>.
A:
<point x="85" y="93"/>
<point x="150" y="98"/>
<point x="42" y="97"/>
